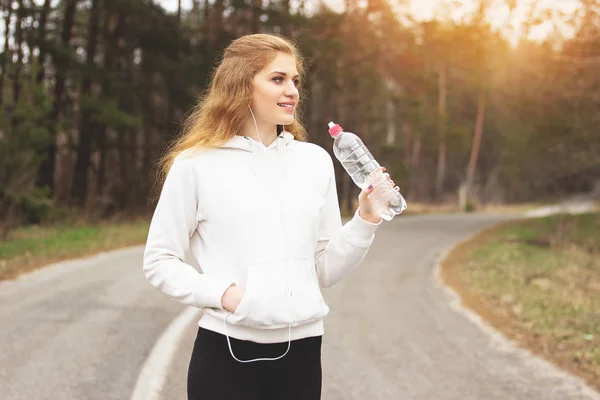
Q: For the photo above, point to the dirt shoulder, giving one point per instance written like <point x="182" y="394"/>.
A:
<point x="538" y="282"/>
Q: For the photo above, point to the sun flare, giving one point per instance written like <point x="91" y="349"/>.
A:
<point x="511" y="22"/>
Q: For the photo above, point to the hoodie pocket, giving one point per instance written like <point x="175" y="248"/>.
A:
<point x="279" y="293"/>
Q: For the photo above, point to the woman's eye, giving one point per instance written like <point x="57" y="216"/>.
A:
<point x="280" y="79"/>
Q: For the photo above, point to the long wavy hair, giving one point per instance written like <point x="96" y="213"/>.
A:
<point x="221" y="110"/>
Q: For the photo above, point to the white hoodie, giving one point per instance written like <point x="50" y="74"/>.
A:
<point x="266" y="218"/>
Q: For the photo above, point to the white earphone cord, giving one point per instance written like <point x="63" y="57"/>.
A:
<point x="261" y="359"/>
<point x="293" y="314"/>
<point x="257" y="132"/>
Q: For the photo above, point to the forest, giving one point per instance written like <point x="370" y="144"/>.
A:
<point x="92" y="92"/>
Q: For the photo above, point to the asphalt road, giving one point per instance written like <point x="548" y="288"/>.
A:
<point x="83" y="330"/>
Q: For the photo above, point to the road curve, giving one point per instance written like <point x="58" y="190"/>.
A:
<point x="85" y="330"/>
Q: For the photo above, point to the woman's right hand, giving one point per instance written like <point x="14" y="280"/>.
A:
<point x="232" y="297"/>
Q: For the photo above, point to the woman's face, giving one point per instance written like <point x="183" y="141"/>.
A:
<point x="275" y="93"/>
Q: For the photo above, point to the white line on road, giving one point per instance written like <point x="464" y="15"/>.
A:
<point x="152" y="376"/>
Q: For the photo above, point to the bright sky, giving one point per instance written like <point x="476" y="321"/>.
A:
<point x="499" y="13"/>
<point x="427" y="9"/>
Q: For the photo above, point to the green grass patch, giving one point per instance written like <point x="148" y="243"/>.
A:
<point x="31" y="247"/>
<point x="538" y="281"/>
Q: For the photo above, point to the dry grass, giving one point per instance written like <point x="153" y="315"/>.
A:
<point x="33" y="247"/>
<point x="538" y="282"/>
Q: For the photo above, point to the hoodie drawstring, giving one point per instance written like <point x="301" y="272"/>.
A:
<point x="280" y="146"/>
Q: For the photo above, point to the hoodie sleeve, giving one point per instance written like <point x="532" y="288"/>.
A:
<point x="173" y="223"/>
<point x="340" y="249"/>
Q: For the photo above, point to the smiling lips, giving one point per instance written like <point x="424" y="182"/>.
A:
<point x="289" y="106"/>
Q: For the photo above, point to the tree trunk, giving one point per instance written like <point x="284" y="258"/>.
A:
<point x="414" y="166"/>
<point x="48" y="165"/>
<point x="124" y="164"/>
<point x="441" y="162"/>
<point x="476" y="143"/>
<point x="217" y="24"/>
<point x="111" y="36"/>
<point x="6" y="54"/>
<point x="206" y="24"/>
<point x="256" y="11"/>
<point x="406" y="143"/>
<point x="42" y="40"/>
<point x="150" y="138"/>
<point x="86" y="128"/>
<point x="128" y="138"/>
<point x="101" y="171"/>
<point x="19" y="43"/>
<point x="287" y="26"/>
<point x="196" y="16"/>
<point x="391" y="124"/>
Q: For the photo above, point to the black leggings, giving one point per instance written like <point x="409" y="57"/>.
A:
<point x="215" y="375"/>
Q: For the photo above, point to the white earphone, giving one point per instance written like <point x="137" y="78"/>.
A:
<point x="256" y="126"/>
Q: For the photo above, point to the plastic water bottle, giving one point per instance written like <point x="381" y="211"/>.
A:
<point x="364" y="170"/>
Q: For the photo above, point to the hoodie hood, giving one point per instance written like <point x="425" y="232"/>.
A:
<point x="276" y="149"/>
<point x="246" y="143"/>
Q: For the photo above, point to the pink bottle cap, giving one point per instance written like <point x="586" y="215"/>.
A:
<point x="334" y="129"/>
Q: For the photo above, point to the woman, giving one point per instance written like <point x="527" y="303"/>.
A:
<point x="257" y="207"/>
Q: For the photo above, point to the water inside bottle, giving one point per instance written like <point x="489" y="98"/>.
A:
<point x="396" y="208"/>
<point x="358" y="162"/>
<point x="387" y="200"/>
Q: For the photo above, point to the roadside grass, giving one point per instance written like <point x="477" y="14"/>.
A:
<point x="538" y="282"/>
<point x="31" y="247"/>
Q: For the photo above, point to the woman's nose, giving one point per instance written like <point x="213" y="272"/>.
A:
<point x="292" y="91"/>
